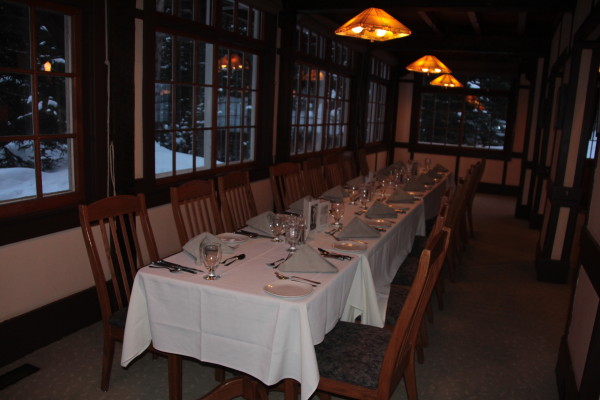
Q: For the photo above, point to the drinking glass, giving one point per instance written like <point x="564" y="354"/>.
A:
<point x="277" y="225"/>
<point x="353" y="195"/>
<point x="211" y="256"/>
<point x="364" y="198"/>
<point x="427" y="164"/>
<point x="337" y="212"/>
<point x="292" y="233"/>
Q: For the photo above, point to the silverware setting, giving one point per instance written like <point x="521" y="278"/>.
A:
<point x="326" y="253"/>
<point x="297" y="279"/>
<point x="251" y="234"/>
<point x="172" y="267"/>
<point x="232" y="259"/>
<point x="333" y="232"/>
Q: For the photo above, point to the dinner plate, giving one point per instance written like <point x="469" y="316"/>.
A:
<point x="378" y="222"/>
<point x="232" y="238"/>
<point x="347" y="245"/>
<point x="288" y="289"/>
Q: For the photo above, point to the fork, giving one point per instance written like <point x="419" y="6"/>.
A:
<point x="293" y="278"/>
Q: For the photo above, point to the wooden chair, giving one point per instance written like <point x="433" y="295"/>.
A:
<point x="118" y="239"/>
<point x="332" y="168"/>
<point x="349" y="167"/>
<point x="365" y="362"/>
<point x="314" y="177"/>
<point x="237" y="200"/>
<point x="363" y="165"/>
<point x="195" y="209"/>
<point x="287" y="184"/>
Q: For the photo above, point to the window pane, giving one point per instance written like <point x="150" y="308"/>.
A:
<point x="186" y="9"/>
<point x="227" y="11"/>
<point x="52" y="32"/>
<point x="163" y="107"/>
<point x="204" y="107"/>
<point x="184" y="148"/>
<point x="203" y="146"/>
<point x="56" y="158"/>
<point x="243" y="12"/>
<point x="185" y="60"/>
<point x="53" y="111"/>
<point x="205" y="61"/>
<point x="163" y="154"/>
<point x="14" y="31"/>
<point x="17" y="170"/>
<point x="164" y="57"/>
<point x="164" y="6"/>
<point x="15" y="96"/>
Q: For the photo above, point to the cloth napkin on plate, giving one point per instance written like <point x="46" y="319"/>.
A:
<point x="379" y="210"/>
<point x="400" y="196"/>
<point x="357" y="228"/>
<point x="192" y="247"/>
<point x="425" y="179"/>
<point x="261" y="222"/>
<point x="414" y="186"/>
<point x="439" y="168"/>
<point x="335" y="194"/>
<point x="307" y="259"/>
<point x="298" y="205"/>
<point x="359" y="180"/>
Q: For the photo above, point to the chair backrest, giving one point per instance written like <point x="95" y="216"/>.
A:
<point x="363" y="165"/>
<point x="313" y="176"/>
<point x="287" y="184"/>
<point x="195" y="209"/>
<point x="237" y="200"/>
<point x="349" y="167"/>
<point x="119" y="239"/>
<point x="332" y="168"/>
<point x="401" y="347"/>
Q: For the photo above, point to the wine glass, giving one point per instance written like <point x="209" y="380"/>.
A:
<point x="211" y="256"/>
<point x="364" y="198"/>
<point x="337" y="212"/>
<point x="353" y="194"/>
<point x="276" y="224"/>
<point x="292" y="233"/>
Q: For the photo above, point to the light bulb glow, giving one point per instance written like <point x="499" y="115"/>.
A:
<point x="47" y="66"/>
<point x="380" y="32"/>
<point x="357" y="29"/>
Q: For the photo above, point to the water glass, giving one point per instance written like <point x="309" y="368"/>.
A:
<point x="276" y="224"/>
<point x="293" y="233"/>
<point x="211" y="256"/>
<point x="337" y="212"/>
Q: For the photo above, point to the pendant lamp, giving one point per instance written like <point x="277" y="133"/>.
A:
<point x="428" y="65"/>
<point x="446" y="80"/>
<point x="373" y="24"/>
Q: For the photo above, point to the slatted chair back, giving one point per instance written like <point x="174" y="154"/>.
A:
<point x="287" y="184"/>
<point x="237" y="200"/>
<point x="195" y="209"/>
<point x="363" y="164"/>
<point x="349" y="165"/>
<point x="313" y="176"/>
<point x="332" y="168"/>
<point x="119" y="240"/>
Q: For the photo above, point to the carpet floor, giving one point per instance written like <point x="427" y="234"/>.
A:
<point x="496" y="338"/>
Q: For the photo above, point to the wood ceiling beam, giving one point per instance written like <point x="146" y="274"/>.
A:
<point x="474" y="22"/>
<point x="427" y="19"/>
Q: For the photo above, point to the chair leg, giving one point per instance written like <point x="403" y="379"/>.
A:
<point x="410" y="380"/>
<point x="439" y="292"/>
<point x="429" y="311"/>
<point x="107" y="359"/>
<point x="220" y="374"/>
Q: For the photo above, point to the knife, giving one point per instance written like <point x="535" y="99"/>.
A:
<point x="325" y="253"/>
<point x="252" y="234"/>
<point x="181" y="267"/>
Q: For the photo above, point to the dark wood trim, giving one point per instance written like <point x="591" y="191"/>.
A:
<point x="551" y="270"/>
<point x="565" y="377"/>
<point x="589" y="256"/>
<point x="26" y="333"/>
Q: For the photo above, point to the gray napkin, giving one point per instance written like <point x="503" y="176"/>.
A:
<point x="400" y="196"/>
<point x="425" y="179"/>
<point x="414" y="186"/>
<point x="307" y="259"/>
<point x="357" y="228"/>
<point x="192" y="247"/>
<point x="262" y="223"/>
<point x="298" y="205"/>
<point x="439" y="168"/>
<point x="379" y="210"/>
<point x="335" y="194"/>
<point x="359" y="180"/>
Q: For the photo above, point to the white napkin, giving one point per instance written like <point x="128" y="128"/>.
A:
<point x="307" y="259"/>
<point x="192" y="247"/>
<point x="335" y="194"/>
<point x="357" y="228"/>
<point x="378" y="210"/>
<point x="262" y="223"/>
<point x="414" y="186"/>
<point x="400" y="196"/>
<point x="298" y="205"/>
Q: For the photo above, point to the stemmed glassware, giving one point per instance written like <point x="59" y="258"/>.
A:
<point x="277" y="227"/>
<point x="337" y="212"/>
<point x="353" y="195"/>
<point x="292" y="232"/>
<point x="211" y="256"/>
<point x="364" y="198"/>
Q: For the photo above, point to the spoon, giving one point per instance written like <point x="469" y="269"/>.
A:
<point x="278" y="275"/>
<point x="272" y="264"/>
<point x="233" y="259"/>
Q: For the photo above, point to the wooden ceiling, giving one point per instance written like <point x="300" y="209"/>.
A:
<point x="485" y="29"/>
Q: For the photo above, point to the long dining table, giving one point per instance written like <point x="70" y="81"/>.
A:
<point x="238" y="323"/>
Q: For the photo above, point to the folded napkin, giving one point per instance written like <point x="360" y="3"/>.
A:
<point x="262" y="223"/>
<point x="400" y="196"/>
<point x="439" y="168"/>
<point x="433" y="174"/>
<point x="379" y="210"/>
<point x="357" y="228"/>
<point x="335" y="194"/>
<point x="307" y="259"/>
<point x="414" y="186"/>
<point x="425" y="179"/>
<point x="359" y="180"/>
<point x="192" y="247"/>
<point x="298" y="205"/>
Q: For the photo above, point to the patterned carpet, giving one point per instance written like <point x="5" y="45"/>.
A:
<point x="497" y="337"/>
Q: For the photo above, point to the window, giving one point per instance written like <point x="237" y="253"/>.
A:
<point x="205" y="93"/>
<point x="39" y="130"/>
<point x="376" y="107"/>
<point x="320" y="95"/>
<point x="473" y="117"/>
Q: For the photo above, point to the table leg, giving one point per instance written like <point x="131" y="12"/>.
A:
<point x="174" y="367"/>
<point x="245" y="386"/>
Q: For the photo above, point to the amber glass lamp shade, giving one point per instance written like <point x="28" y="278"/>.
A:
<point x="428" y="65"/>
<point x="446" y="80"/>
<point x="373" y="24"/>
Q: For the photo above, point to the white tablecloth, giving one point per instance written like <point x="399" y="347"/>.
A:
<point x="235" y="323"/>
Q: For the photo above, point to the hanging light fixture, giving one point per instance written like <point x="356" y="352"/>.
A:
<point x="428" y="65"/>
<point x="446" y="80"/>
<point x="373" y="24"/>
